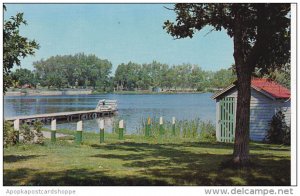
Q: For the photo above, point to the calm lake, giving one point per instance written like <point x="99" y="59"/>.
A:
<point x="132" y="108"/>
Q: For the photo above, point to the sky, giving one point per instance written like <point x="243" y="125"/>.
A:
<point x="119" y="33"/>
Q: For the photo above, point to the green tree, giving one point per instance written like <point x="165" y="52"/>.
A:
<point x="223" y="78"/>
<point x="156" y="72"/>
<point x="144" y="77"/>
<point x="24" y="76"/>
<point x="128" y="76"/>
<point x="74" y="70"/>
<point x="55" y="79"/>
<point x="170" y="78"/>
<point x="281" y="75"/>
<point x="196" y="78"/>
<point x="261" y="37"/>
<point x="15" y="46"/>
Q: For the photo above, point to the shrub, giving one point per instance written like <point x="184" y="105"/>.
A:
<point x="39" y="137"/>
<point x="10" y="136"/>
<point x="27" y="133"/>
<point x="287" y="136"/>
<point x="208" y="132"/>
<point x="32" y="135"/>
<point x="279" y="132"/>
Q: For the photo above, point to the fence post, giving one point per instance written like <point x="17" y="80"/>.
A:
<point x="101" y="131"/>
<point x="53" y="130"/>
<point x="17" y="129"/>
<point x="148" y="127"/>
<point x="161" y="126"/>
<point x="173" y="126"/>
<point x="79" y="132"/>
<point x="121" y="129"/>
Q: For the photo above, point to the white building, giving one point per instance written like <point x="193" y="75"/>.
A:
<point x="267" y="97"/>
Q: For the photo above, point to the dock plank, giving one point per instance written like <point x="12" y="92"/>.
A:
<point x="55" y="115"/>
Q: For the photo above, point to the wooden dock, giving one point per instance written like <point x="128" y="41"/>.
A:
<point x="107" y="110"/>
<point x="63" y="116"/>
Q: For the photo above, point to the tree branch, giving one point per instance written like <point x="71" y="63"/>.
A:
<point x="209" y="32"/>
<point x="169" y="8"/>
<point x="261" y="41"/>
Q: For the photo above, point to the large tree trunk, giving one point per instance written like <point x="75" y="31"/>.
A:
<point x="241" y="143"/>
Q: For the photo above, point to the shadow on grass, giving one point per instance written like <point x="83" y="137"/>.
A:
<point x="175" y="163"/>
<point x="16" y="158"/>
<point x="221" y="145"/>
<point x="264" y="146"/>
<point x="74" y="177"/>
<point x="162" y="164"/>
<point x="137" y="147"/>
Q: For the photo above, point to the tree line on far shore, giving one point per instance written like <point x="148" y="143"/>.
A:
<point x="89" y="71"/>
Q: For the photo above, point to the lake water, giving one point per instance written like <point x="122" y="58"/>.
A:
<point x="132" y="108"/>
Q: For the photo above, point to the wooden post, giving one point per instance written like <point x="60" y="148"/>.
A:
<point x="101" y="131"/>
<point x="121" y="129"/>
<point x="148" y="127"/>
<point x="173" y="126"/>
<point x="53" y="130"/>
<point x="79" y="132"/>
<point x="17" y="129"/>
<point x="161" y="126"/>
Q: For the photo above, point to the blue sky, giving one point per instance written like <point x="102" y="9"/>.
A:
<point x="119" y="33"/>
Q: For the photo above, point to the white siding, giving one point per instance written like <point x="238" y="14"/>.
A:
<point x="261" y="112"/>
<point x="262" y="109"/>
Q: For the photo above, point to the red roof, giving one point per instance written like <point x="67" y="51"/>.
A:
<point x="263" y="85"/>
<point x="271" y="87"/>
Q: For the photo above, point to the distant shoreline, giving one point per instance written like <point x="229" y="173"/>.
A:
<point x="37" y="92"/>
<point x="156" y="93"/>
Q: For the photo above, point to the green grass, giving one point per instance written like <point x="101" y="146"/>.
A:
<point x="196" y="129"/>
<point x="140" y="161"/>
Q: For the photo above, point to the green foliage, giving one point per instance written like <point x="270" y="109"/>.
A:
<point x="15" y="47"/>
<point x="223" y="77"/>
<point x="9" y="134"/>
<point x="208" y="132"/>
<point x="281" y="75"/>
<point x="77" y="70"/>
<point x="27" y="133"/>
<point x="196" y="129"/>
<point x="279" y="132"/>
<point x="54" y="79"/>
<point x="263" y="27"/>
<point x="127" y="76"/>
<point x="24" y="76"/>
<point x="38" y="132"/>
<point x="32" y="135"/>
<point x="81" y="71"/>
<point x="133" y="76"/>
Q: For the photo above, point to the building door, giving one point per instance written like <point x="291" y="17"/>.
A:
<point x="227" y="119"/>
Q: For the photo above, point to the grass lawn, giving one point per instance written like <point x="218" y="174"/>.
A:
<point x="137" y="161"/>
